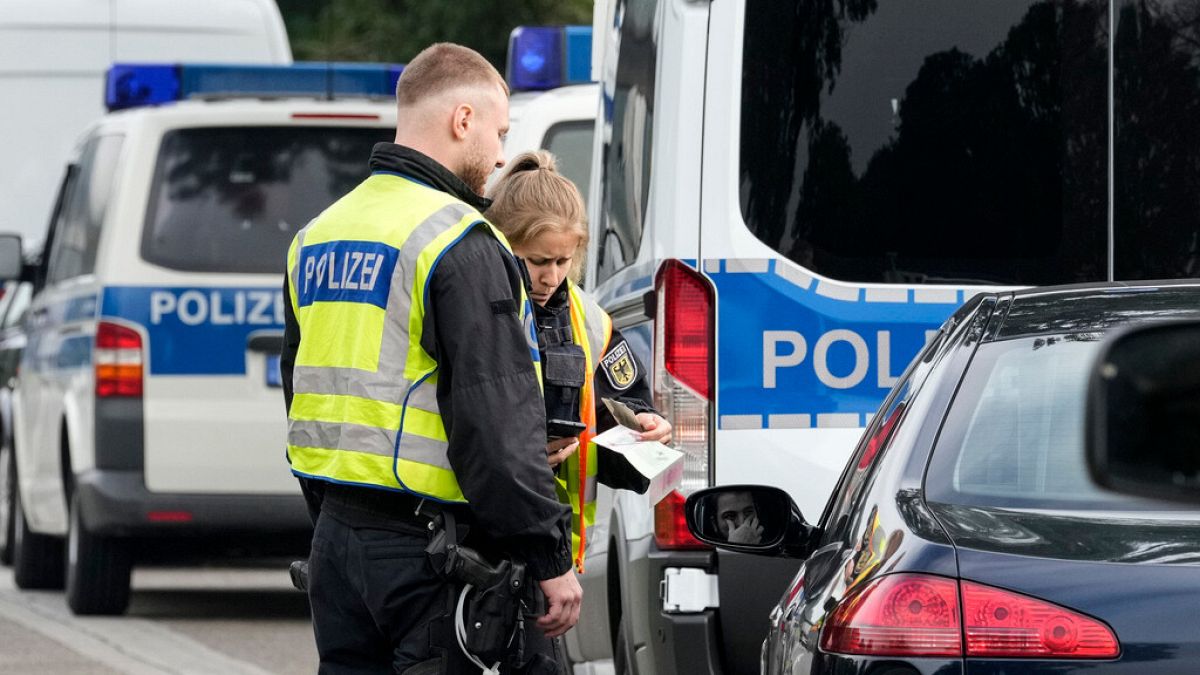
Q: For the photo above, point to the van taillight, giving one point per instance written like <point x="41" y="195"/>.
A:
<point x="920" y="615"/>
<point x="118" y="359"/>
<point x="684" y="385"/>
<point x="670" y="524"/>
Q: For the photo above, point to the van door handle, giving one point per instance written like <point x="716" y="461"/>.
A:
<point x="267" y="343"/>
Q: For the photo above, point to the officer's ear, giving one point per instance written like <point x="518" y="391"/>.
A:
<point x="462" y="121"/>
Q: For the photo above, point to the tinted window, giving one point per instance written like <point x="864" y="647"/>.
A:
<point x="629" y="122"/>
<point x="928" y="140"/>
<point x="231" y="199"/>
<point x="1156" y="87"/>
<point x="1014" y="435"/>
<point x="84" y="202"/>
<point x="571" y="144"/>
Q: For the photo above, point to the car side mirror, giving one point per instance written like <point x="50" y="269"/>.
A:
<point x="749" y="519"/>
<point x="1143" y="412"/>
<point x="11" y="264"/>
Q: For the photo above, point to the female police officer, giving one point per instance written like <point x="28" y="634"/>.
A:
<point x="584" y="359"/>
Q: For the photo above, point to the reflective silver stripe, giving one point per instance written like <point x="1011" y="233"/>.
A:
<point x="296" y="269"/>
<point x="393" y="348"/>
<point x="365" y="439"/>
<point x="424" y="397"/>
<point x="594" y="316"/>
<point x="332" y="436"/>
<point x="590" y="485"/>
<point x="349" y="382"/>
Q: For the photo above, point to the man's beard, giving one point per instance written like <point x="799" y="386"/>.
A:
<point x="475" y="170"/>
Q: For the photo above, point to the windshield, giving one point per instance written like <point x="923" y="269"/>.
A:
<point x="1015" y="433"/>
<point x="231" y="199"/>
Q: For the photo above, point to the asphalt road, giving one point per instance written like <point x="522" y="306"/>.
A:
<point x="227" y="621"/>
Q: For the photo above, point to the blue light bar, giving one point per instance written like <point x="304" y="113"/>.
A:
<point x="133" y="85"/>
<point x="545" y="57"/>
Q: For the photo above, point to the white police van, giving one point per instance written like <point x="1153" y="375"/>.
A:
<point x="798" y="193"/>
<point x="149" y="418"/>
<point x="553" y="101"/>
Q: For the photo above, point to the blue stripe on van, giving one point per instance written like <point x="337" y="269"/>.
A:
<point x="197" y="330"/>
<point x="800" y="351"/>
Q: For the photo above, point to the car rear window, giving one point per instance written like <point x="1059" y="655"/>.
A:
<point x="1014" y="436"/>
<point x="230" y="199"/>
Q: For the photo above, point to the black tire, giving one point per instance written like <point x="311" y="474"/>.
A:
<point x="97" y="569"/>
<point x="37" y="558"/>
<point x="8" y="488"/>
<point x="621" y="659"/>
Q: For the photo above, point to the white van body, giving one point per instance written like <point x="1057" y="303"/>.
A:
<point x="187" y="210"/>
<point x="560" y="120"/>
<point x="53" y="57"/>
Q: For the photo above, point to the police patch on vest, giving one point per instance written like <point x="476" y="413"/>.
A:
<point x="619" y="366"/>
<point x="346" y="271"/>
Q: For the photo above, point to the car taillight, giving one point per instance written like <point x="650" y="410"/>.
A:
<point x="897" y="615"/>
<point x="670" y="524"/>
<point x="1000" y="623"/>
<point x="684" y="385"/>
<point x="919" y="615"/>
<point x="118" y="360"/>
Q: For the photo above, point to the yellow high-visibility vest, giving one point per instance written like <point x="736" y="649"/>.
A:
<point x="365" y="409"/>
<point x="591" y="329"/>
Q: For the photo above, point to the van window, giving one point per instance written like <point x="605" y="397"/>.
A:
<point x="571" y="145"/>
<point x="930" y="141"/>
<point x="1156" y="92"/>
<point x="81" y="215"/>
<point x="231" y="199"/>
<point x="625" y="181"/>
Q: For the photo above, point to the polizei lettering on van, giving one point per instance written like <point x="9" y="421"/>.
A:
<point x="195" y="307"/>
<point x="825" y="361"/>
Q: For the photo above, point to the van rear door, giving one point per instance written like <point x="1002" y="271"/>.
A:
<point x="223" y="207"/>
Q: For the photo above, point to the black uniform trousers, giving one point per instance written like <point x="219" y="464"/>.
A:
<point x="379" y="607"/>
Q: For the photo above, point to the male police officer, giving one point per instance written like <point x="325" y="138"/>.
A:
<point x="412" y="380"/>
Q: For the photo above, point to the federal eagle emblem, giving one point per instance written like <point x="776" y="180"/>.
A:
<point x="619" y="366"/>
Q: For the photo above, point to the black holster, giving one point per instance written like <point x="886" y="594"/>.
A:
<point x="492" y="614"/>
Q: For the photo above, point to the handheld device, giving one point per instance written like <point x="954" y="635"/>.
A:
<point x="563" y="429"/>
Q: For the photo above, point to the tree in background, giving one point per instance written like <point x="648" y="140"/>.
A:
<point x="395" y="30"/>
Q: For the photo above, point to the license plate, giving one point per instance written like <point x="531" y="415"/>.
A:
<point x="274" y="378"/>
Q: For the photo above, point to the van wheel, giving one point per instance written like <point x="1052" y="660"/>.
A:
<point x="37" y="558"/>
<point x="621" y="650"/>
<point x="98" y="569"/>
<point x="8" y="487"/>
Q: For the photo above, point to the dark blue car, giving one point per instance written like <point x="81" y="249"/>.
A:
<point x="965" y="534"/>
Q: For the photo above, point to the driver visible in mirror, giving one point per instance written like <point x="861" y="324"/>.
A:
<point x="737" y="518"/>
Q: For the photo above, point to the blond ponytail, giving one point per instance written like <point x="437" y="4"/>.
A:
<point x="532" y="197"/>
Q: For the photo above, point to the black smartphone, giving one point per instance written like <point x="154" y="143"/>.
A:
<point x="563" y="429"/>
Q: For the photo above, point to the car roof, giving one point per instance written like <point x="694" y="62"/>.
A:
<point x="1090" y="308"/>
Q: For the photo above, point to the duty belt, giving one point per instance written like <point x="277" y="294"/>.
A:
<point x="386" y="506"/>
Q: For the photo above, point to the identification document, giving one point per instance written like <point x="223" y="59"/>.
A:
<point x="624" y="462"/>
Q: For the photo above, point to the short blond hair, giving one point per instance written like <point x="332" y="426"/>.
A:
<point x="441" y="67"/>
<point x="532" y="198"/>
